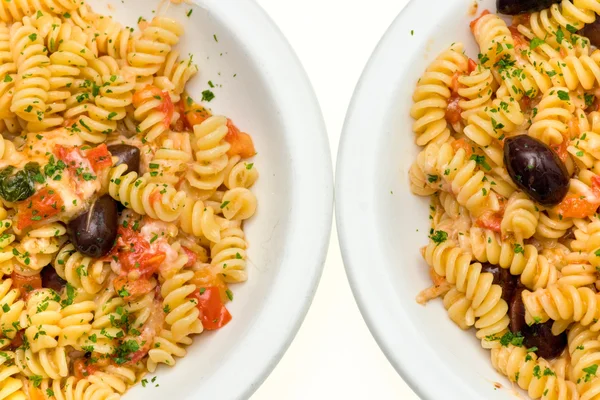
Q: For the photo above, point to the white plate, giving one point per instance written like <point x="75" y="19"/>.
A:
<point x="382" y="225"/>
<point x="271" y="98"/>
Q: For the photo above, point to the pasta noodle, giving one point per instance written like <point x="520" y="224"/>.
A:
<point x="123" y="202"/>
<point x="513" y="258"/>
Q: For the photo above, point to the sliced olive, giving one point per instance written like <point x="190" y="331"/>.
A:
<point x="127" y="154"/>
<point x="514" y="7"/>
<point x="94" y="232"/>
<point x="51" y="280"/>
<point x="504" y="278"/>
<point x="536" y="169"/>
<point x="537" y="335"/>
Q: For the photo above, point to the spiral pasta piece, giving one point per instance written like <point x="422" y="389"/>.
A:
<point x="432" y="94"/>
<point x="73" y="389"/>
<point x="15" y="10"/>
<point x="552" y="225"/>
<point x="585" y="150"/>
<point x="494" y="39"/>
<point x="229" y="255"/>
<point x="178" y="71"/>
<point x="47" y="363"/>
<point x="531" y="373"/>
<point x="11" y="307"/>
<point x="165" y="349"/>
<point x="150" y="50"/>
<point x="38" y="247"/>
<point x="43" y="315"/>
<point x="169" y="163"/>
<point x="494" y="121"/>
<point x="584" y="348"/>
<point x="238" y="204"/>
<point x="10" y="387"/>
<point x="75" y="323"/>
<point x="81" y="271"/>
<point x="113" y="39"/>
<point x="207" y="172"/>
<point x="475" y="89"/>
<point x="33" y="80"/>
<point x="550" y="125"/>
<point x="520" y="217"/>
<point x="159" y="201"/>
<point x="199" y="220"/>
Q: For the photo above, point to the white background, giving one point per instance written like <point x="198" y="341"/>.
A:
<point x="334" y="356"/>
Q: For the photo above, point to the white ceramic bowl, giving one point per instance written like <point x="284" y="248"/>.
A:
<point x="382" y="225"/>
<point x="267" y="93"/>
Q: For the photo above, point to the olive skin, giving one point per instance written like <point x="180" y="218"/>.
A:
<point x="536" y="335"/>
<point x="536" y="169"/>
<point x="51" y="280"/>
<point x="126" y="154"/>
<point x="504" y="278"/>
<point x="592" y="32"/>
<point x="94" y="232"/>
<point x="514" y="7"/>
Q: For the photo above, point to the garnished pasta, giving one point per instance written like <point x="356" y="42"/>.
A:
<point x="122" y="202"/>
<point x="510" y="149"/>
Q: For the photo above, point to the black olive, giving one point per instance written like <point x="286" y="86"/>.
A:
<point x="504" y="278"/>
<point x="536" y="335"/>
<point x="536" y="169"/>
<point x="51" y="280"/>
<point x="514" y="7"/>
<point x="127" y="154"/>
<point x="94" y="232"/>
<point x="592" y="32"/>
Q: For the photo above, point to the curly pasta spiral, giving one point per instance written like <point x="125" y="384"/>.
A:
<point x="44" y="315"/>
<point x="584" y="348"/>
<point x="550" y="124"/>
<point x="534" y="269"/>
<point x="494" y="121"/>
<point x="520" y="217"/>
<point x="531" y="373"/>
<point x="229" y="255"/>
<point x="75" y="323"/>
<point x="475" y="89"/>
<point x="32" y="83"/>
<point x="455" y="265"/>
<point x="11" y="11"/>
<point x="432" y="94"/>
<point x="178" y="71"/>
<point x="210" y="152"/>
<point x="10" y="387"/>
<point x="73" y="389"/>
<point x="159" y="201"/>
<point x="113" y="39"/>
<point x="38" y="247"/>
<point x="11" y="307"/>
<point x="152" y="47"/>
<point x="199" y="220"/>
<point x="168" y="163"/>
<point x="81" y="271"/>
<point x="165" y="349"/>
<point x="47" y="363"/>
<point x="238" y="204"/>
<point x="493" y="36"/>
<point x="552" y="226"/>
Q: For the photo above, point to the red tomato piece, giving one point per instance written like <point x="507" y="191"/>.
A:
<point x="192" y="257"/>
<point x="518" y="39"/>
<point x="26" y="284"/>
<point x="130" y="289"/>
<point x="213" y="313"/>
<point x="462" y="144"/>
<point x="18" y="339"/>
<point x="194" y="113"/>
<point x="472" y="65"/>
<point x="99" y="157"/>
<point x="474" y="22"/>
<point x="166" y="105"/>
<point x="574" y="206"/>
<point x="241" y="143"/>
<point x="83" y="369"/>
<point x="135" y="254"/>
<point x="490" y="220"/>
<point x="453" y="110"/>
<point x="42" y="205"/>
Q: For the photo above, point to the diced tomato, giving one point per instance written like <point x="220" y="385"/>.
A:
<point x="574" y="206"/>
<point x="213" y="313"/>
<point x="472" y="65"/>
<point x="520" y="42"/>
<point x="453" y="110"/>
<point x="490" y="220"/>
<point x="204" y="278"/>
<point x="561" y="150"/>
<point x="130" y="289"/>
<point x="99" y="157"/>
<point x="33" y="392"/>
<point x="26" y="284"/>
<point x="42" y="205"/>
<point x="241" y="143"/>
<point x="462" y="144"/>
<point x="149" y="92"/>
<point x="135" y="254"/>
<point x="454" y="84"/>
<point x="83" y="369"/>
<point x="192" y="257"/>
<point x="474" y="22"/>
<point x="194" y="113"/>
<point x="18" y="339"/>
